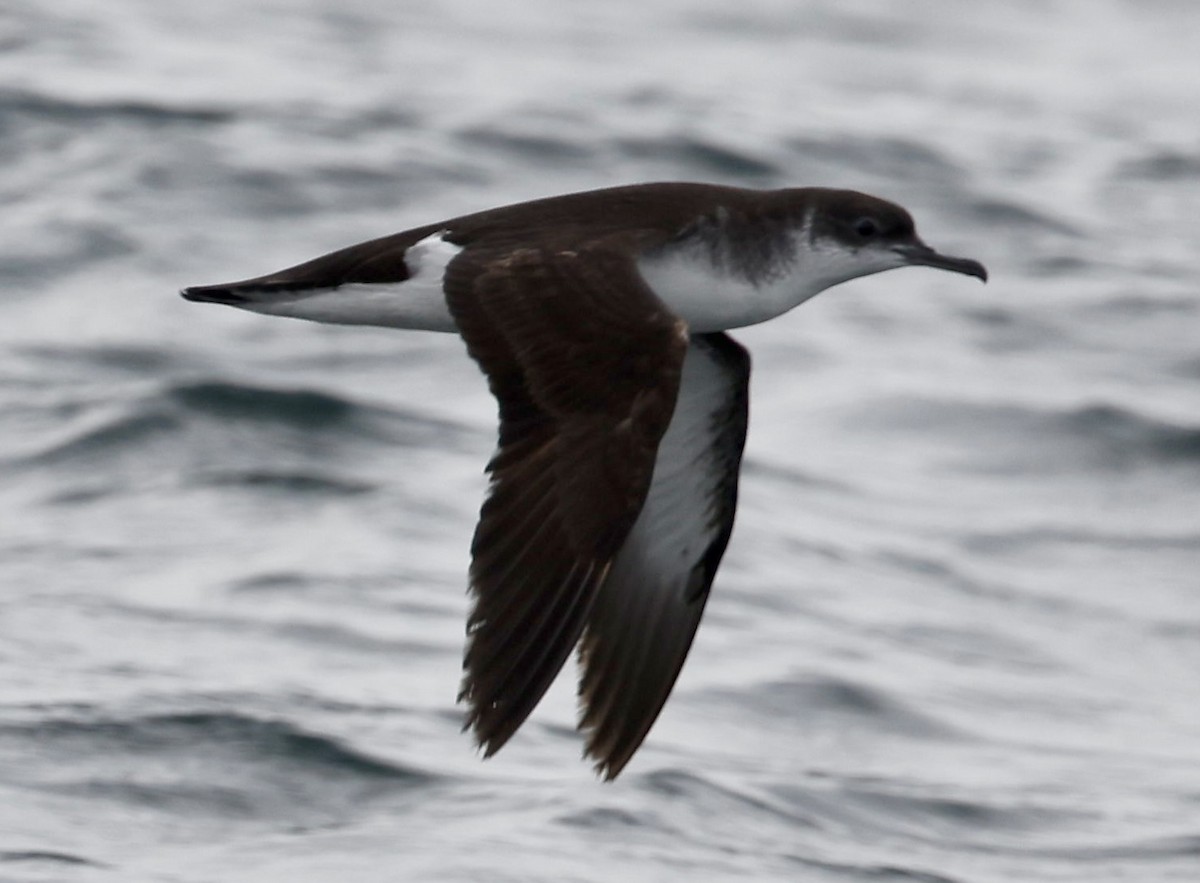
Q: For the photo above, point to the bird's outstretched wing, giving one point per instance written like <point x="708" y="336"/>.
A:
<point x="646" y="612"/>
<point x="585" y="363"/>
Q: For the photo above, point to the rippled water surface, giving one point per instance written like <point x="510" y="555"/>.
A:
<point x="957" y="633"/>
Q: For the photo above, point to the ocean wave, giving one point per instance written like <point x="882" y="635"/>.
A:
<point x="130" y="429"/>
<point x="303" y="408"/>
<point x="1160" y="165"/>
<point x="799" y="817"/>
<point x="834" y="703"/>
<point x="701" y="790"/>
<point x="218" y="764"/>
<point x="121" y="358"/>
<point x="1027" y="539"/>
<point x="69" y="244"/>
<point x="535" y="146"/>
<point x="1100" y="435"/>
<point x="305" y="633"/>
<point x="615" y="819"/>
<point x="1021" y="217"/>
<point x="44" y="856"/>
<point x="874" y="808"/>
<point x="274" y="742"/>
<point x="46" y="107"/>
<point x="1151" y="849"/>
<point x="210" y="409"/>
<point x="287" y="482"/>
<point x="874" y="872"/>
<point x="1125" y="433"/>
<point x="895" y="809"/>
<point x="313" y="410"/>
<point x="897" y="159"/>
<point x="790" y="475"/>
<point x="702" y="157"/>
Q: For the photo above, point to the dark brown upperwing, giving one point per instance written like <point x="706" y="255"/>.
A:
<point x="585" y="363"/>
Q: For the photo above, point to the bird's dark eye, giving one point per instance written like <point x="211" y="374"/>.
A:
<point x="867" y="228"/>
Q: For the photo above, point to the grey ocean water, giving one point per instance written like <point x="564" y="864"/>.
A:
<point x="957" y="633"/>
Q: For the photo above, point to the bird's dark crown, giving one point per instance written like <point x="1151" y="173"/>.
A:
<point x="857" y="219"/>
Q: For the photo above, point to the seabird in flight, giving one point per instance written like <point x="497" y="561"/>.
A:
<point x="599" y="319"/>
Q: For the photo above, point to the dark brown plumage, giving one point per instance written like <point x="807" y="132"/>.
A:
<point x="585" y="363"/>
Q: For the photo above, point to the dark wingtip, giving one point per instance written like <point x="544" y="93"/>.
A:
<point x="608" y="768"/>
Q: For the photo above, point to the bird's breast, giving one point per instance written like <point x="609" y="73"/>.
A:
<point x="713" y="298"/>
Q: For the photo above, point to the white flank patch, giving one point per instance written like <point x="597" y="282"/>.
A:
<point x="418" y="303"/>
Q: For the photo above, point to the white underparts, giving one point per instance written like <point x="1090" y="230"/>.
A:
<point x="709" y="299"/>
<point x="417" y="303"/>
